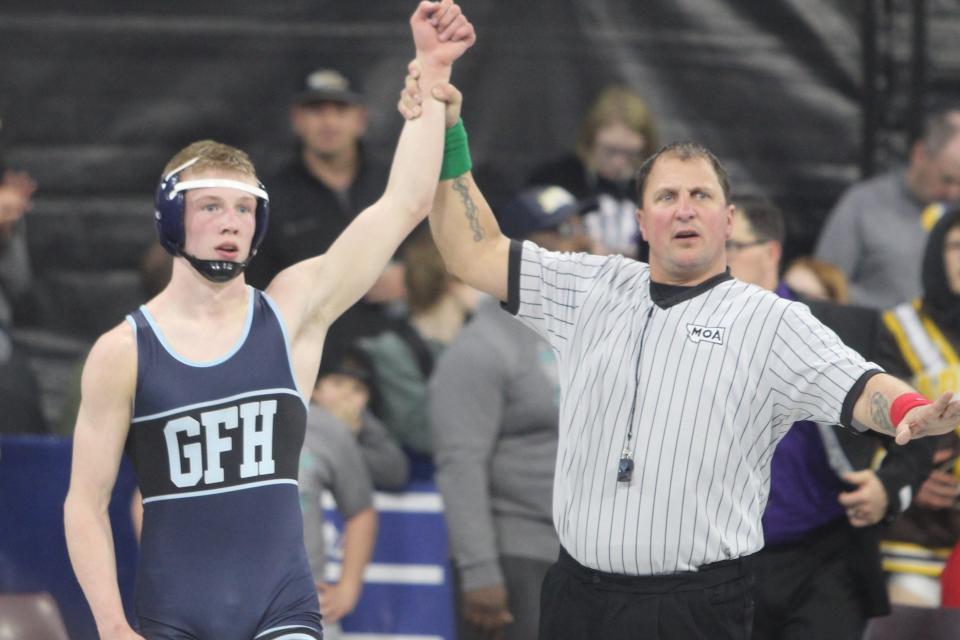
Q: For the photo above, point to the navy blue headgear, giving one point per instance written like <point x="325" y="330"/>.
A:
<point x="169" y="207"/>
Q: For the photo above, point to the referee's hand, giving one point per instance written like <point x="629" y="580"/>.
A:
<point x="411" y="98"/>
<point x="941" y="416"/>
<point x="486" y="609"/>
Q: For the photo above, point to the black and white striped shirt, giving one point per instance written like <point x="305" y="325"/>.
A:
<point x="711" y="378"/>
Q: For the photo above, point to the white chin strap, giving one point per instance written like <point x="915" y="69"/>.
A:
<point x="206" y="183"/>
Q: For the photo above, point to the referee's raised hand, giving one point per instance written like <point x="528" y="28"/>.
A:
<point x="411" y="98"/>
<point x="939" y="417"/>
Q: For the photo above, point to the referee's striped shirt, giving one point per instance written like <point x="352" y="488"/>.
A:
<point x="710" y="377"/>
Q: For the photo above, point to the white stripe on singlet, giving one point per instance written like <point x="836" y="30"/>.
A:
<point x="722" y="376"/>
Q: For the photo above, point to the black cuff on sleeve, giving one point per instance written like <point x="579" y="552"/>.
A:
<point x="513" y="278"/>
<point x="846" y="414"/>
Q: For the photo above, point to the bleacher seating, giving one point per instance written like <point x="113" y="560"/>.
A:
<point x="30" y="616"/>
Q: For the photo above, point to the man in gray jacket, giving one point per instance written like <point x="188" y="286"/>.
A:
<point x="493" y="407"/>
<point x="879" y="226"/>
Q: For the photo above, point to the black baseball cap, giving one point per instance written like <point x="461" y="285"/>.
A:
<point x="355" y="362"/>
<point x="350" y="361"/>
<point x="540" y="208"/>
<point x="327" y="85"/>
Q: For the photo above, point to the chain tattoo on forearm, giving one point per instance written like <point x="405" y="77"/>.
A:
<point x="470" y="208"/>
<point x="880" y="412"/>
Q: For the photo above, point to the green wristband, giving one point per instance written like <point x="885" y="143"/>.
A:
<point x="456" y="152"/>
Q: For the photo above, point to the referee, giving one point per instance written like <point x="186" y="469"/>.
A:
<point x="677" y="381"/>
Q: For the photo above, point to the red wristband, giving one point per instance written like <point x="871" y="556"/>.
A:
<point x="903" y="404"/>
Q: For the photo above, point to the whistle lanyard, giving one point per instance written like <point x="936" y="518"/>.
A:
<point x="625" y="467"/>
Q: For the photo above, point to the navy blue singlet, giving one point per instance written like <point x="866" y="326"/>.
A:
<point x="216" y="447"/>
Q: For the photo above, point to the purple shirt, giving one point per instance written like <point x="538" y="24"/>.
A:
<point x="803" y="485"/>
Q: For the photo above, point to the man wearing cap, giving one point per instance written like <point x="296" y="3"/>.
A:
<point x="347" y="452"/>
<point x="493" y="420"/>
<point x="347" y="392"/>
<point x="325" y="185"/>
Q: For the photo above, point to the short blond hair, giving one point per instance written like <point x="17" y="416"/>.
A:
<point x="211" y="154"/>
<point x="617" y="104"/>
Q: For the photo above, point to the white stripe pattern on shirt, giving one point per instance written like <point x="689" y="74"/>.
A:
<point x="711" y="383"/>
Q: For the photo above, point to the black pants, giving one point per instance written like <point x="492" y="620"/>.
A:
<point x="523" y="578"/>
<point x="809" y="590"/>
<point x="579" y="603"/>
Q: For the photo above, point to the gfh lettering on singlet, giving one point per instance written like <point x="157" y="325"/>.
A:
<point x="219" y="432"/>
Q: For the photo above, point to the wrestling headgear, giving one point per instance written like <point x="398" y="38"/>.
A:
<point x="170" y="204"/>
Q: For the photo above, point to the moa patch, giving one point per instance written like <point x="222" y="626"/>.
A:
<point x="698" y="333"/>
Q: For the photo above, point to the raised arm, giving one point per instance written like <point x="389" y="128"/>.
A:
<point x="892" y="407"/>
<point x="315" y="292"/>
<point x="461" y="221"/>
<point x="468" y="236"/>
<point x="107" y="386"/>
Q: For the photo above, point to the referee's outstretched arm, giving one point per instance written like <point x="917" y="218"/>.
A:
<point x="475" y="251"/>
<point x="892" y="407"/>
<point x="463" y="226"/>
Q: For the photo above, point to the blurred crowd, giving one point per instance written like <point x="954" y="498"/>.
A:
<point x="426" y="375"/>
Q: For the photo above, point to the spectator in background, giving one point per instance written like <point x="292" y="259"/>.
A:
<point x="646" y="581"/>
<point x="815" y="279"/>
<point x="404" y="355"/>
<point x="331" y="179"/>
<point x="924" y="336"/>
<point x="879" y="227"/>
<point x="332" y="461"/>
<point x="818" y="574"/>
<point x="19" y="392"/>
<point x="617" y="134"/>
<point x="493" y="416"/>
<point x="16" y="198"/>
<point x="347" y="390"/>
<point x="20" y="400"/>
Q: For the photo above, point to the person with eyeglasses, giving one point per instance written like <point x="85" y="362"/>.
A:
<point x="676" y="383"/>
<point x="818" y="574"/>
<point x="616" y="135"/>
<point x="924" y="335"/>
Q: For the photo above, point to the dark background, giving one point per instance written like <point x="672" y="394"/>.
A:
<point x="96" y="96"/>
<point x="798" y="97"/>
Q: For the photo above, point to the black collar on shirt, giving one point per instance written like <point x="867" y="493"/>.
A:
<point x="667" y="295"/>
